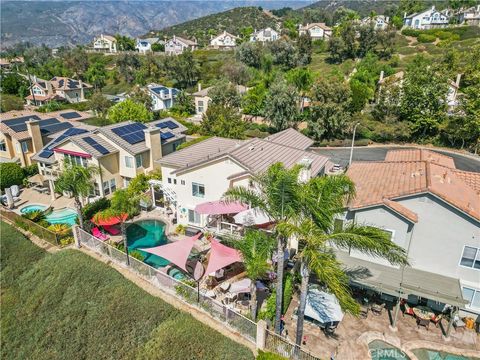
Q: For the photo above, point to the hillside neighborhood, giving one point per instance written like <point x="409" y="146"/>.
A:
<point x="252" y="184"/>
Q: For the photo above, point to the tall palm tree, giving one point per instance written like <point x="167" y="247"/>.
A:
<point x="78" y="182"/>
<point x="256" y="247"/>
<point x="325" y="199"/>
<point x="275" y="192"/>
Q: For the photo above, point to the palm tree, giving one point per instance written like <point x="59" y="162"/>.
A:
<point x="256" y="247"/>
<point x="78" y="181"/>
<point x="276" y="192"/>
<point x="324" y="201"/>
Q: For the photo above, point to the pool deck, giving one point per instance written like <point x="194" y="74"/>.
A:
<point x="29" y="196"/>
<point x="350" y="341"/>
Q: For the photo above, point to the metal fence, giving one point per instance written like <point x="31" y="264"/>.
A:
<point x="181" y="290"/>
<point x="279" y="345"/>
<point x="33" y="227"/>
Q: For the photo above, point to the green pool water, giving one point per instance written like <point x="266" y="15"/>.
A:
<point x="147" y="234"/>
<point x="380" y="350"/>
<point x="428" y="354"/>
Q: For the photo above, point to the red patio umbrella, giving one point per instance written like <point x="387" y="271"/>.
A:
<point x="100" y="220"/>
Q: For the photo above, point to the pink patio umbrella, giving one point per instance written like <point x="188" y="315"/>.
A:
<point x="220" y="207"/>
<point x="176" y="252"/>
<point x="221" y="256"/>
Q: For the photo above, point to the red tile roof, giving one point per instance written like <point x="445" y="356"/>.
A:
<point x="420" y="155"/>
<point x="402" y="210"/>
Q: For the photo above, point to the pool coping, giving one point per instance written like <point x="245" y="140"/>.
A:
<point x="411" y="345"/>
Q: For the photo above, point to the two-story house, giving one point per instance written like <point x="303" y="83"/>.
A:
<point x="379" y="22"/>
<point x="58" y="88"/>
<point x="224" y="40"/>
<point x="202" y="172"/>
<point x="202" y="99"/>
<point x="162" y="97"/>
<point x="317" y="31"/>
<point x="143" y="46"/>
<point x="23" y="133"/>
<point x="432" y="210"/>
<point x="264" y="35"/>
<point x="177" y="45"/>
<point x="105" y="43"/>
<point x="470" y="16"/>
<point x="427" y="19"/>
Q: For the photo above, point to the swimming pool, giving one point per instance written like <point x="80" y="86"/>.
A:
<point x="380" y="350"/>
<point x="147" y="234"/>
<point x="62" y="216"/>
<point x="428" y="354"/>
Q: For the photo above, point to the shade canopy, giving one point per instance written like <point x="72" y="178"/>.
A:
<point x="220" y="207"/>
<point x="176" y="252"/>
<point x="221" y="256"/>
<point x="241" y="286"/>
<point x="322" y="306"/>
<point x="100" y="220"/>
<point x="251" y="217"/>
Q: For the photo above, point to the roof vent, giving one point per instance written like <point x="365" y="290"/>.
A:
<point x="251" y="147"/>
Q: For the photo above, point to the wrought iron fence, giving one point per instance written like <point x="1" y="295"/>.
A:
<point x="182" y="290"/>
<point x="285" y="348"/>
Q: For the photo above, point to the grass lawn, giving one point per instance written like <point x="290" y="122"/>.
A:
<point x="67" y="305"/>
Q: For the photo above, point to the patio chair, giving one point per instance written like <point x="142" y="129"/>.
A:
<point x="423" y="322"/>
<point x="111" y="229"/>
<point x="406" y="309"/>
<point x="330" y="328"/>
<point x="98" y="234"/>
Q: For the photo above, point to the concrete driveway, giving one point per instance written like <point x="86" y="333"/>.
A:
<point x="342" y="155"/>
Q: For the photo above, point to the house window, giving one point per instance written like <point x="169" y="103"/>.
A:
<point x="139" y="160"/>
<point x="182" y="182"/>
<point x="198" y="190"/>
<point x="113" y="185"/>
<point x="200" y="106"/>
<point x="96" y="189"/>
<point x="126" y="181"/>
<point x="193" y="217"/>
<point x="75" y="160"/>
<point x="470" y="257"/>
<point x="3" y="146"/>
<point x="472" y="296"/>
<point x="174" y="181"/>
<point x="128" y="162"/>
<point x="24" y="145"/>
<point x="169" y="180"/>
<point x="106" y="187"/>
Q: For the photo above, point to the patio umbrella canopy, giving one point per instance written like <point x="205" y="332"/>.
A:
<point x="112" y="220"/>
<point x="322" y="306"/>
<point x="220" y="207"/>
<point x="252" y="217"/>
<point x="221" y="256"/>
<point x="176" y="252"/>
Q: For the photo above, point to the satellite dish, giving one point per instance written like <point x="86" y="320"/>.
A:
<point x="199" y="271"/>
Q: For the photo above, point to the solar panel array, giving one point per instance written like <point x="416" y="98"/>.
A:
<point x="167" y="124"/>
<point x="47" y="126"/>
<point x="166" y="135"/>
<point x="93" y="143"/>
<point x="132" y="133"/>
<point x="70" y="115"/>
<point x="19" y="124"/>
<point x="48" y="151"/>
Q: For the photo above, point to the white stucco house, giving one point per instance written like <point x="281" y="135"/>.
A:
<point x="427" y="19"/>
<point x="379" y="22"/>
<point x="143" y="46"/>
<point x="224" y="40"/>
<point x="177" y="45"/>
<point x="106" y="43"/>
<point x="163" y="97"/>
<point x="470" y="16"/>
<point x="264" y="35"/>
<point x="432" y="210"/>
<point x="317" y="31"/>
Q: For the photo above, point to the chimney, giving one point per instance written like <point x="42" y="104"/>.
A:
<point x="48" y="84"/>
<point x="33" y="128"/>
<point x="199" y="87"/>
<point x="305" y="173"/>
<point x="82" y="92"/>
<point x="433" y="7"/>
<point x="153" y="142"/>
<point x="457" y="82"/>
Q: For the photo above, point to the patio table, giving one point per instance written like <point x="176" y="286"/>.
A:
<point x="423" y="312"/>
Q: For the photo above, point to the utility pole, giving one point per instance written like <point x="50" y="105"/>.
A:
<point x="353" y="141"/>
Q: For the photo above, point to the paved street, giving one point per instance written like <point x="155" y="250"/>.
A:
<point x="341" y="156"/>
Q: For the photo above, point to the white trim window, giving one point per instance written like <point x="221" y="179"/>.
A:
<point x="129" y="162"/>
<point x="3" y="146"/>
<point x="470" y="257"/>
<point x="472" y="295"/>
<point x="139" y="160"/>
<point x="24" y="145"/>
<point x="75" y="160"/>
<point x="193" y="217"/>
<point x="198" y="190"/>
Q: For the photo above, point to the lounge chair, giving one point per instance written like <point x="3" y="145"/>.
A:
<point x="423" y="322"/>
<point x="98" y="234"/>
<point x="111" y="229"/>
<point x="406" y="308"/>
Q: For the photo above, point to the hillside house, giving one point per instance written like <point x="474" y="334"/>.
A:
<point x="427" y="19"/>
<point x="432" y="210"/>
<point x="224" y="41"/>
<point x="264" y="35"/>
<point x="58" y="88"/>
<point x="143" y="46"/>
<point x="105" y="43"/>
<point x="202" y="99"/>
<point x="379" y="22"/>
<point x="163" y="97"/>
<point x="470" y="16"/>
<point x="177" y="45"/>
<point x="317" y="31"/>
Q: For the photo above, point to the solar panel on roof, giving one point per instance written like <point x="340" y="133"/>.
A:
<point x="166" y="135"/>
<point x="131" y="133"/>
<point x="162" y="125"/>
<point x="20" y="121"/>
<point x="70" y="115"/>
<point x="93" y="143"/>
<point x="54" y="128"/>
<point x="46" y="154"/>
<point x="171" y="124"/>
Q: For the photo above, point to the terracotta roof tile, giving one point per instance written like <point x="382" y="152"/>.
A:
<point x="402" y="210"/>
<point x="420" y="155"/>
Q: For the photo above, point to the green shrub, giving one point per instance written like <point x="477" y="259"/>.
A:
<point x="426" y="38"/>
<point x="180" y="229"/>
<point x="410" y="32"/>
<point x="35" y="215"/>
<point x="67" y="241"/>
<point x="10" y="102"/>
<point x="10" y="174"/>
<point x="136" y="255"/>
<point x="30" y="170"/>
<point x="52" y="106"/>
<point x="269" y="356"/>
<point x="98" y="205"/>
<point x="288" y="288"/>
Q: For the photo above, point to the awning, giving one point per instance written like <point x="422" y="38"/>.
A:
<point x="389" y="280"/>
<point x="221" y="256"/>
<point x="251" y="217"/>
<point x="220" y="207"/>
<point x="241" y="286"/>
<point x="100" y="220"/>
<point x="322" y="306"/>
<point x="176" y="252"/>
